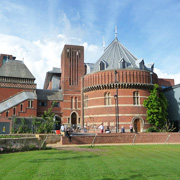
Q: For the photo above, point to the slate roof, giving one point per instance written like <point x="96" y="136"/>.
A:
<point x="115" y="53"/>
<point x="18" y="98"/>
<point x="53" y="95"/>
<point x="90" y="67"/>
<point x="49" y="75"/>
<point x="15" y="69"/>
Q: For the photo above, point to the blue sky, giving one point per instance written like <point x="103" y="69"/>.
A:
<point x="36" y="31"/>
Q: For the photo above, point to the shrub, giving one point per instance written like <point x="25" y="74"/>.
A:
<point x="152" y="129"/>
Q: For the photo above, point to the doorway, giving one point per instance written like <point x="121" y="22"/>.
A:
<point x="74" y="119"/>
<point x="137" y="125"/>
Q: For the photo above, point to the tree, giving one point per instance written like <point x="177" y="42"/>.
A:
<point x="48" y="117"/>
<point x="156" y="106"/>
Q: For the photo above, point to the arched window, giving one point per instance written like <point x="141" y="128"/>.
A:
<point x="7" y="113"/>
<point x="14" y="111"/>
<point x="107" y="98"/>
<point x="136" y="98"/>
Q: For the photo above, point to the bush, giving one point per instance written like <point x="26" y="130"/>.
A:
<point x="152" y="129"/>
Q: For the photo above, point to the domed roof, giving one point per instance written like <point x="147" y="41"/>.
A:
<point x="116" y="56"/>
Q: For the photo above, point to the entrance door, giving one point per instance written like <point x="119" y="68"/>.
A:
<point x="137" y="125"/>
<point x="4" y="127"/>
<point x="74" y="119"/>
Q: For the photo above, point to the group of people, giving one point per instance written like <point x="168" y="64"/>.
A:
<point x="107" y="130"/>
<point x="66" y="131"/>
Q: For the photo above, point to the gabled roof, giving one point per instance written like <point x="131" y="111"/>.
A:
<point x="53" y="95"/>
<point x="115" y="54"/>
<point x="16" y="69"/>
<point x="18" y="98"/>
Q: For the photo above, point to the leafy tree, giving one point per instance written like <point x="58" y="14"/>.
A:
<point x="156" y="106"/>
<point x="48" y="116"/>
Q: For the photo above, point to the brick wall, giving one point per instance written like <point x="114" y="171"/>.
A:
<point x="123" y="76"/>
<point x="124" y="138"/>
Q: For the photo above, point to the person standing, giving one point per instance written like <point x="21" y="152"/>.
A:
<point x="62" y="129"/>
<point x="122" y="129"/>
<point x="131" y="128"/>
<point x="101" y="127"/>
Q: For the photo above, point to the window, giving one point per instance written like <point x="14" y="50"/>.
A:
<point x="123" y="63"/>
<point x="136" y="98"/>
<point x="72" y="102"/>
<point x="7" y="113"/>
<point x="30" y="104"/>
<point x="76" y="102"/>
<point x="102" y="65"/>
<point x="43" y="104"/>
<point x="14" y="111"/>
<point x="21" y="107"/>
<point x="86" y="101"/>
<point x="107" y="98"/>
<point x="55" y="104"/>
<point x="5" y="58"/>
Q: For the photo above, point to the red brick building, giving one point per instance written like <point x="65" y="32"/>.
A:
<point x="111" y="91"/>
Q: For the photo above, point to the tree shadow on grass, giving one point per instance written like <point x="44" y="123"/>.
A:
<point x="60" y="159"/>
<point x="139" y="176"/>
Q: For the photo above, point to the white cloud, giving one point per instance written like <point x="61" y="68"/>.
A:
<point x="42" y="55"/>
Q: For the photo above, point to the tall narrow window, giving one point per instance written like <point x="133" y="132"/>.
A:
<point x="72" y="102"/>
<point x="136" y="98"/>
<point x="30" y="104"/>
<point x="21" y="107"/>
<point x="107" y="98"/>
<point x="14" y="111"/>
<point x="76" y="102"/>
<point x="7" y="113"/>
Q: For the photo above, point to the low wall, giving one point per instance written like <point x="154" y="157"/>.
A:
<point x="18" y="144"/>
<point x="50" y="138"/>
<point x="27" y="141"/>
<point x="124" y="138"/>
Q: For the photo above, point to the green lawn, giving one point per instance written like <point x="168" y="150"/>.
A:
<point x="111" y="163"/>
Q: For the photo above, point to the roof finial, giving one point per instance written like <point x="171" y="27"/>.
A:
<point x="115" y="32"/>
<point x="104" y="44"/>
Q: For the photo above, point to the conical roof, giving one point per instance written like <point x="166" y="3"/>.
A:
<point x="116" y="56"/>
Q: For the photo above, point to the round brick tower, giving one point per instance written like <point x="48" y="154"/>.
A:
<point x="114" y="90"/>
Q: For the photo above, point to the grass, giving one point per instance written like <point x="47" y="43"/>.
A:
<point x="9" y="136"/>
<point x="110" y="163"/>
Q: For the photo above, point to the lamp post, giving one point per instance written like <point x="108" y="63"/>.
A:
<point x="116" y="101"/>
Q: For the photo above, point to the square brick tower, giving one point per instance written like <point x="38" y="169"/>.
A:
<point x="72" y="70"/>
